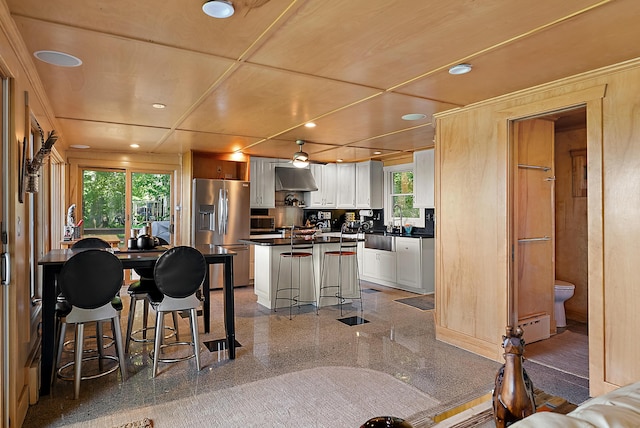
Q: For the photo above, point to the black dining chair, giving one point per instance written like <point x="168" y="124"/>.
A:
<point x="139" y="291"/>
<point x="89" y="281"/>
<point x="178" y="274"/>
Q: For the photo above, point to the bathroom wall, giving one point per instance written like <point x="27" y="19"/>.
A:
<point x="571" y="223"/>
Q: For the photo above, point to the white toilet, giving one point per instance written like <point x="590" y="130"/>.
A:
<point x="562" y="291"/>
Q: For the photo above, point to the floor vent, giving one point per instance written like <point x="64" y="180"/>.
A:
<point x="535" y="328"/>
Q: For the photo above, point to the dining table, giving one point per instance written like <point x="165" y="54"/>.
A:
<point x="53" y="261"/>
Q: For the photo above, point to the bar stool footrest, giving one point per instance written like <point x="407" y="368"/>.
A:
<point x="63" y="376"/>
<point x="176" y="359"/>
<point x="150" y="340"/>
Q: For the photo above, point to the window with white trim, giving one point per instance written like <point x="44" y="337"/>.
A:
<point x="399" y="197"/>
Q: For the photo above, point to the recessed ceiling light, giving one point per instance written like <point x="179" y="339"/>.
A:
<point x="158" y="105"/>
<point x="79" y="146"/>
<point x="218" y="8"/>
<point x="339" y="160"/>
<point x="414" y="116"/>
<point x="377" y="153"/>
<point x="460" y="69"/>
<point x="58" y="58"/>
<point x="310" y="125"/>
<point x="135" y="146"/>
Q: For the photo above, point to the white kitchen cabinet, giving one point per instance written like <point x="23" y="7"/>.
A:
<point x="379" y="266"/>
<point x="415" y="264"/>
<point x="369" y="185"/>
<point x="346" y="185"/>
<point x="423" y="179"/>
<point x="262" y="173"/>
<point x="408" y="261"/>
<point x="326" y="179"/>
<point x="410" y="267"/>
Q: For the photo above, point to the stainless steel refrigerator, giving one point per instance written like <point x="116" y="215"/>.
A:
<point x="221" y="216"/>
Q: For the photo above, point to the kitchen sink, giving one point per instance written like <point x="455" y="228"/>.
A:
<point x="380" y="242"/>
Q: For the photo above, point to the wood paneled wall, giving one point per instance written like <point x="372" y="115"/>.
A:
<point x="24" y="315"/>
<point x="474" y="229"/>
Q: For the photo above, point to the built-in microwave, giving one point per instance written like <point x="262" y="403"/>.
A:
<point x="263" y="223"/>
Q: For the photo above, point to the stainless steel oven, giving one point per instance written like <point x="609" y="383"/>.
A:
<point x="263" y="223"/>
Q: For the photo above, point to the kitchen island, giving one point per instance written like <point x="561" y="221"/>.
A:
<point x="267" y="259"/>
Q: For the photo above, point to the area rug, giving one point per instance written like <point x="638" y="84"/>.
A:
<point x="425" y="302"/>
<point x="318" y="397"/>
<point x="567" y="351"/>
<point x="142" y="423"/>
<point x="478" y="413"/>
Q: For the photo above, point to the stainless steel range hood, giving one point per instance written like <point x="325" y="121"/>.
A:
<point x="295" y="180"/>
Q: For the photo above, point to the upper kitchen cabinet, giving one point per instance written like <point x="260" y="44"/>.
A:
<point x="263" y="182"/>
<point x="326" y="179"/>
<point x="369" y="185"/>
<point x="423" y="179"/>
<point x="215" y="166"/>
<point x="346" y="187"/>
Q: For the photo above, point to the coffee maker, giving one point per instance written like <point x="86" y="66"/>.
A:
<point x="366" y="220"/>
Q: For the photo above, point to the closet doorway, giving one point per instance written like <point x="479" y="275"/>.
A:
<point x="550" y="230"/>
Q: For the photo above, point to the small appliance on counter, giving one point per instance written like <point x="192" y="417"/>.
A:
<point x="366" y="220"/>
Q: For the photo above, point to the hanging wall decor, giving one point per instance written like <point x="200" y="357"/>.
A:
<point x="22" y="151"/>
<point x="33" y="165"/>
<point x="22" y="167"/>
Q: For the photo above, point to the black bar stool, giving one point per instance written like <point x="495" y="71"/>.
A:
<point x="90" y="281"/>
<point x="85" y="243"/>
<point x="178" y="274"/>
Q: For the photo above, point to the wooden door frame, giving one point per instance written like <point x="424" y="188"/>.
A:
<point x="592" y="99"/>
<point x="4" y="247"/>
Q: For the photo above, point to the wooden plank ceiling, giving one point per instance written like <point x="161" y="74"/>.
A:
<point x="250" y="82"/>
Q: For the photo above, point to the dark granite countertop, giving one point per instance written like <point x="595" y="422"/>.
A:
<point x="404" y="235"/>
<point x="287" y="241"/>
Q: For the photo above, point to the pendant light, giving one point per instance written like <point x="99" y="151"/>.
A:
<point x="300" y="158"/>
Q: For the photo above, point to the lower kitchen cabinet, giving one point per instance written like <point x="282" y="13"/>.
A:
<point x="408" y="261"/>
<point x="379" y="266"/>
<point x="410" y="267"/>
<point x="415" y="264"/>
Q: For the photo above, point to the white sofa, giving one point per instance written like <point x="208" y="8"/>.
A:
<point x="619" y="408"/>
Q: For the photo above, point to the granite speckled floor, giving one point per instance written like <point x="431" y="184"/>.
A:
<point x="398" y="340"/>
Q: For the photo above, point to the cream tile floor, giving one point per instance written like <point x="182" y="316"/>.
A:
<point x="398" y="340"/>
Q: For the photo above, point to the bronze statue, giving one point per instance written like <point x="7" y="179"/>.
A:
<point x="513" y="398"/>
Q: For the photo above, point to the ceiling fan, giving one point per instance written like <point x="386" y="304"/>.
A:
<point x="301" y="159"/>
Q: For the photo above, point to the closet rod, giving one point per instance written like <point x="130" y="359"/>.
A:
<point x="544" y="238"/>
<point x="544" y="168"/>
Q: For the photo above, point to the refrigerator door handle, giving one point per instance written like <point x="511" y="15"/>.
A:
<point x="221" y="211"/>
<point x="226" y="210"/>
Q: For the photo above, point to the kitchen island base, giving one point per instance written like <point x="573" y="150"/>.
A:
<point x="267" y="258"/>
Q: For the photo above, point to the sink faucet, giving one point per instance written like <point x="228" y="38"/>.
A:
<point x="394" y="215"/>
